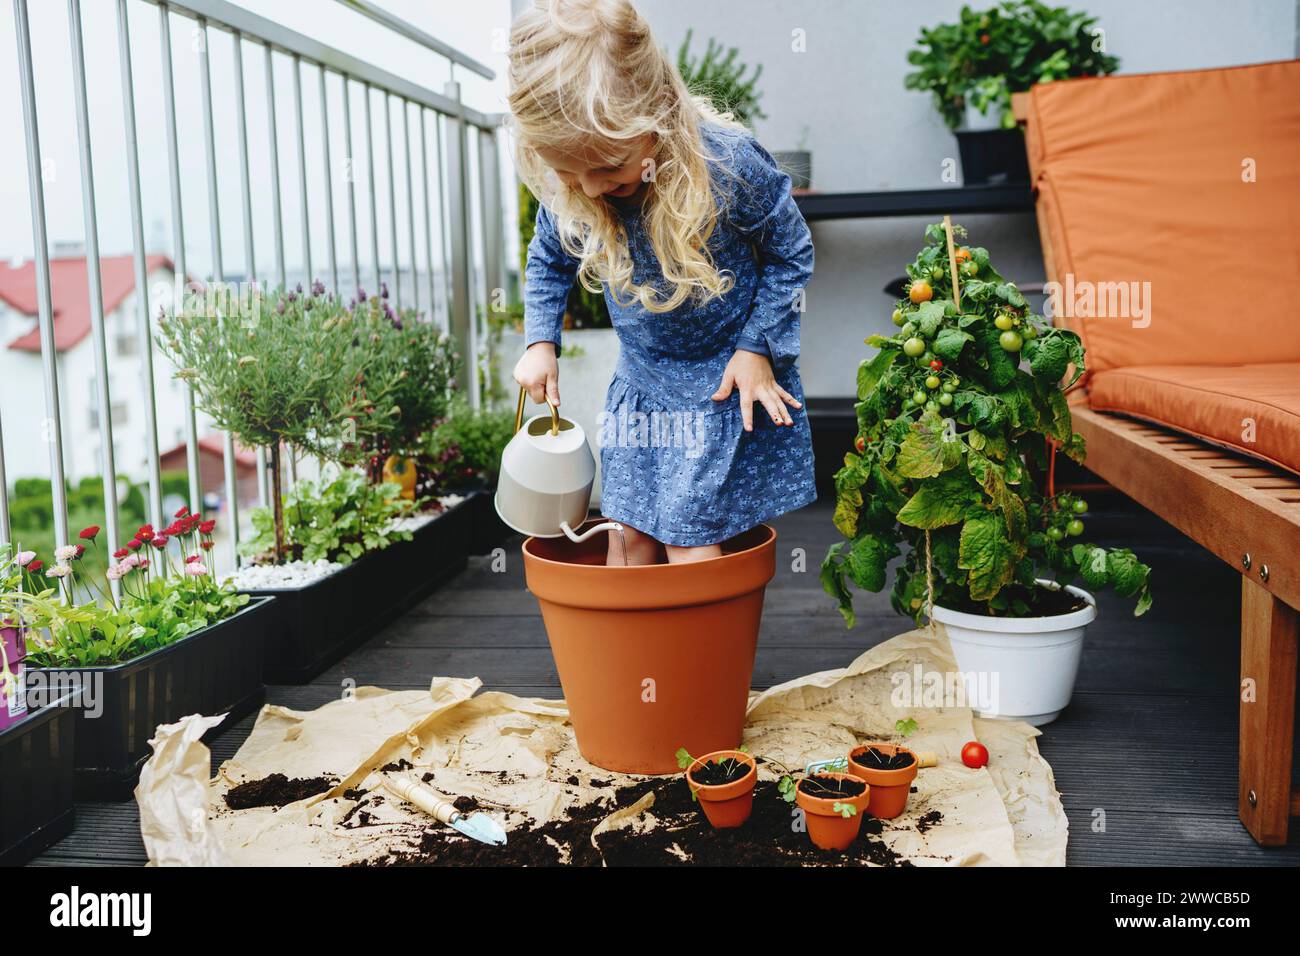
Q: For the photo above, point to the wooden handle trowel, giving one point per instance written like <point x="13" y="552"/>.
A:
<point x="478" y="826"/>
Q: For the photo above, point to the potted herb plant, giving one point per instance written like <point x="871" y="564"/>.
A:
<point x="723" y="783"/>
<point x="889" y="770"/>
<point x="350" y="384"/>
<point x="958" y="414"/>
<point x="833" y="805"/>
<point x="36" y="744"/>
<point x="972" y="67"/>
<point x="169" y="641"/>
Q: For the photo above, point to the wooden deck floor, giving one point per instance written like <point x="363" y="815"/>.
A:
<point x="1150" y="739"/>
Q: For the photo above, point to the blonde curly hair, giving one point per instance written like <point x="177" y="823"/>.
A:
<point x="588" y="75"/>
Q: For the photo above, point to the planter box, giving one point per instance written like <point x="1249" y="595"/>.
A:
<point x="314" y="626"/>
<point x="215" y="670"/>
<point x="36" y="781"/>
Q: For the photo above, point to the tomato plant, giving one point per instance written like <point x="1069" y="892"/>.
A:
<point x="959" y="461"/>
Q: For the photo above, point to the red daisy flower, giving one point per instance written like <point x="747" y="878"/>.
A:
<point x="182" y="513"/>
<point x="193" y="557"/>
<point x="207" y="526"/>
<point x="88" y="534"/>
<point x="35" y="566"/>
<point x="121" y="553"/>
<point x="81" y="549"/>
<point x="205" y="545"/>
<point x="135" y="544"/>
<point x="160" y="541"/>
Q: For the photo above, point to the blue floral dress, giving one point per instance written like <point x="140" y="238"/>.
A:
<point x="676" y="464"/>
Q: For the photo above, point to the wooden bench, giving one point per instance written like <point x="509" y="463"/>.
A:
<point x="1243" y="509"/>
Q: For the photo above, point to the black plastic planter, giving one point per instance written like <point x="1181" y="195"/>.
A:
<point x="213" y="671"/>
<point x="317" y="624"/>
<point x="994" y="156"/>
<point x="487" y="530"/>
<point x="36" y="780"/>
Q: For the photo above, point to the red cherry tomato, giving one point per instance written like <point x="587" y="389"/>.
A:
<point x="861" y="444"/>
<point x="975" y="755"/>
<point x="936" y="364"/>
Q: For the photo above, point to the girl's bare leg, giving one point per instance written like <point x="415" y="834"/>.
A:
<point x="641" y="548"/>
<point x="681" y="555"/>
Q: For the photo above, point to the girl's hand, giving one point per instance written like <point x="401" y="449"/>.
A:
<point x="539" y="373"/>
<point x="752" y="374"/>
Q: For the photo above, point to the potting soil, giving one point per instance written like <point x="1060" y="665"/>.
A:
<point x="516" y="759"/>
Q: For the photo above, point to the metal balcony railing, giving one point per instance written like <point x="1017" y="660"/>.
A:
<point x="450" y="286"/>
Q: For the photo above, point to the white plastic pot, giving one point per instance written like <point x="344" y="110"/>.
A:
<point x="1019" y="668"/>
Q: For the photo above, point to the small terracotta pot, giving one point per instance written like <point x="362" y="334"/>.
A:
<point x="729" y="804"/>
<point x="889" y="788"/>
<point x="828" y="828"/>
<point x="656" y="657"/>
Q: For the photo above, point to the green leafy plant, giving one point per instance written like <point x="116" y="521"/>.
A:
<point x="989" y="54"/>
<point x="845" y="810"/>
<point x="464" y="450"/>
<point x="287" y="368"/>
<point x="332" y="520"/>
<point x="955" y="415"/>
<point x="717" y="76"/>
<point x="905" y="727"/>
<point x="414" y="365"/>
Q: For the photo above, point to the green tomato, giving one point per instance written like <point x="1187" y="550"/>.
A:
<point x="1080" y="506"/>
<point x="1003" y="321"/>
<point x="931" y="406"/>
<point x="932" y="382"/>
<point x="945" y="399"/>
<point x="936" y="273"/>
<point x="969" y="269"/>
<point x="898" y="318"/>
<point x="950" y="387"/>
<point x="1056" y="534"/>
<point x="1011" y="341"/>
<point x="913" y="347"/>
<point x="1029" y="331"/>
<point x="909" y="330"/>
<point x="907" y="403"/>
<point x="918" y="397"/>
<point x="1074" y="528"/>
<point x="926" y="358"/>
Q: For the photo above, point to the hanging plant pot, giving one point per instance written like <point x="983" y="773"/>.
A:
<point x="1027" y="664"/>
<point x="889" y="770"/>
<point x="833" y="805"/>
<point x="723" y="782"/>
<point x="654" y="657"/>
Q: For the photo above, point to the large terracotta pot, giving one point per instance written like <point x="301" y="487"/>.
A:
<point x="652" y="658"/>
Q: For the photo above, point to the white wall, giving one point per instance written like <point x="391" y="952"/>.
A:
<point x="867" y="132"/>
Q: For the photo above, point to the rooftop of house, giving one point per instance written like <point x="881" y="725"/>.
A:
<point x="70" y="292"/>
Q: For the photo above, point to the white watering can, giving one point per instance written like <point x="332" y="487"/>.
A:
<point x="547" y="470"/>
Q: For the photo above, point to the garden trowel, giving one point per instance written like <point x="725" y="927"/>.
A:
<point x="478" y="826"/>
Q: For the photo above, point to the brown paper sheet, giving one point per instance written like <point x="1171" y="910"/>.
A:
<point x="518" y="758"/>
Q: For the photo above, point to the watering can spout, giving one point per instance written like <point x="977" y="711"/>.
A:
<point x="594" y="529"/>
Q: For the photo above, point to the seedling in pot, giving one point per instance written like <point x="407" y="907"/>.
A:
<point x="723" y="784"/>
<point x="832" y="805"/>
<point x="874" y="758"/>
<point x="714" y="772"/>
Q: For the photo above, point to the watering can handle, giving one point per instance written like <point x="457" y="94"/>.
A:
<point x="519" y="413"/>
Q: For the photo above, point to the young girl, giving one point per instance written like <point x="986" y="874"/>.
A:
<point x="688" y="226"/>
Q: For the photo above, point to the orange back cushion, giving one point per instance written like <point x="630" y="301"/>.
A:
<point x="1185" y="189"/>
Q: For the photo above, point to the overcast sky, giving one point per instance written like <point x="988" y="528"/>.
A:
<point x="477" y="27"/>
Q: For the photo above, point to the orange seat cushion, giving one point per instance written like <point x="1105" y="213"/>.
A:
<point x="1187" y="184"/>
<point x="1254" y="409"/>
